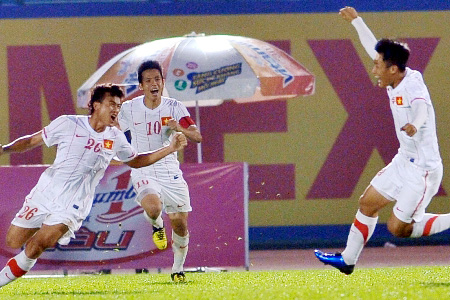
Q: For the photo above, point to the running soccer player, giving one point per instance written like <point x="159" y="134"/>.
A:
<point x="415" y="173"/>
<point x="63" y="196"/>
<point x="152" y="120"/>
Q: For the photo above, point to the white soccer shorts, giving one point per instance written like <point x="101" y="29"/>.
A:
<point x="410" y="186"/>
<point x="35" y="212"/>
<point x="174" y="195"/>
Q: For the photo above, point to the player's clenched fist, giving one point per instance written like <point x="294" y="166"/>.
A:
<point x="348" y="13"/>
<point x="179" y="141"/>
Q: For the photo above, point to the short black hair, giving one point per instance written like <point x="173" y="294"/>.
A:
<point x="394" y="53"/>
<point x="147" y="65"/>
<point x="99" y="91"/>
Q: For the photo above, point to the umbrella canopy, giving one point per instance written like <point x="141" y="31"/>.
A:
<point x="205" y="70"/>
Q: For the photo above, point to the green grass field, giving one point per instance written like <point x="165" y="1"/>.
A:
<point x="377" y="283"/>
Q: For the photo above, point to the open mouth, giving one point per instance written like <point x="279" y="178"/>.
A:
<point x="113" y="118"/>
<point x="154" y="92"/>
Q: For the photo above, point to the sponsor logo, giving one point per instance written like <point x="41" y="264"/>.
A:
<point x="130" y="84"/>
<point x="191" y="65"/>
<point x="112" y="232"/>
<point x="272" y="63"/>
<point x="178" y="72"/>
<point x="180" y="85"/>
<point x="207" y="80"/>
<point x="77" y="135"/>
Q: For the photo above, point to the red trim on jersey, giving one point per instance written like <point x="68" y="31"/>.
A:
<point x="363" y="228"/>
<point x="428" y="224"/>
<point x="15" y="269"/>
<point x="187" y="121"/>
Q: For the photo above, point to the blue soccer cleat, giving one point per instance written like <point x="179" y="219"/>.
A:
<point x="336" y="260"/>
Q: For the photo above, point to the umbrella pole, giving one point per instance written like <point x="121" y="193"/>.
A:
<point x="197" y="121"/>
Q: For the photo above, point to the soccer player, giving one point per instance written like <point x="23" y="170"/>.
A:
<point x="152" y="120"/>
<point x="62" y="198"/>
<point x="415" y="173"/>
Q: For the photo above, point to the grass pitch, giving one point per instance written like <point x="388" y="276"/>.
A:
<point x="377" y="283"/>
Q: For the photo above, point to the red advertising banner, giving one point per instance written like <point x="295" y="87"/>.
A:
<point x="115" y="235"/>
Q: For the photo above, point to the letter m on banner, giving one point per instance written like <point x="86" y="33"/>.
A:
<point x="35" y="72"/>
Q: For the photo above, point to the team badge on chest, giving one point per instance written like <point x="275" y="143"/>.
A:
<point x="108" y="144"/>
<point x="165" y="120"/>
<point x="399" y="100"/>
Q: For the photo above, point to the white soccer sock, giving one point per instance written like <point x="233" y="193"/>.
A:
<point x="16" y="267"/>
<point x="180" y="250"/>
<point x="360" y="233"/>
<point x="158" y="222"/>
<point x="431" y="224"/>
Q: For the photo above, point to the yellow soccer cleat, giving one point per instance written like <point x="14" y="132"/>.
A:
<point x="160" y="238"/>
<point x="178" y="277"/>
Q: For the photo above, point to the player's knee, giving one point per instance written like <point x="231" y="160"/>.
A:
<point x="12" y="242"/>
<point x="152" y="206"/>
<point x="398" y="231"/>
<point x="36" y="245"/>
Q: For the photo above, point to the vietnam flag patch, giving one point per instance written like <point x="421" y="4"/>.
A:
<point x="108" y="144"/>
<point x="165" y="120"/>
<point x="399" y="100"/>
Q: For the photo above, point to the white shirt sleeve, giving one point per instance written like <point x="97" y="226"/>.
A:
<point x="181" y="112"/>
<point x="366" y="36"/>
<point x="420" y="112"/>
<point x="54" y="131"/>
<point x="124" y="151"/>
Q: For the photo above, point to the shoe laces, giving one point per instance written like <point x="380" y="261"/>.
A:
<point x="160" y="234"/>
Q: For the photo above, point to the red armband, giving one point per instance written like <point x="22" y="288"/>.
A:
<point x="187" y="121"/>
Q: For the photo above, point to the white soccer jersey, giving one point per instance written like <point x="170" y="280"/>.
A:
<point x="81" y="160"/>
<point x="149" y="132"/>
<point x="422" y="149"/>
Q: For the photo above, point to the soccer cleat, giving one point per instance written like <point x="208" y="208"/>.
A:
<point x="336" y="260"/>
<point x="178" y="277"/>
<point x="160" y="238"/>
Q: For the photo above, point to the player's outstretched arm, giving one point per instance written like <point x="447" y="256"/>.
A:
<point x="366" y="36"/>
<point x="145" y="159"/>
<point x="23" y="143"/>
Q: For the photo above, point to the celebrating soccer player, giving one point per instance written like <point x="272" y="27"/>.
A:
<point x="152" y="120"/>
<point x="415" y="173"/>
<point x="63" y="196"/>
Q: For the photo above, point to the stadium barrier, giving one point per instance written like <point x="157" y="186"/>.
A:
<point x="115" y="235"/>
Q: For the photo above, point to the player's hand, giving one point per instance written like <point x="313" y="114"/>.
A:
<point x="348" y="13"/>
<point x="178" y="142"/>
<point x="173" y="124"/>
<point x="409" y="129"/>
